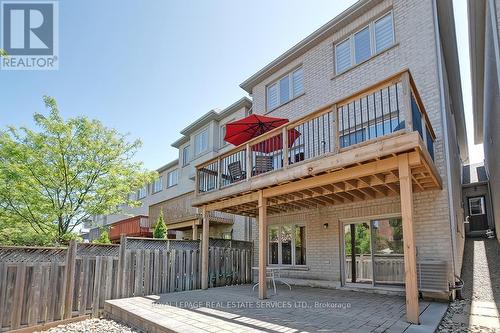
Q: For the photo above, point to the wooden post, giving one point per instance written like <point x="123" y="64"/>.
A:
<point x="407" y="111"/>
<point x="262" y="245"/>
<point x="204" y="250"/>
<point x="411" y="288"/>
<point x="353" y="252"/>
<point x="248" y="161"/>
<point x="69" y="279"/>
<point x="285" y="146"/>
<point x="218" y="184"/>
<point x="195" y="231"/>
<point x="121" y="266"/>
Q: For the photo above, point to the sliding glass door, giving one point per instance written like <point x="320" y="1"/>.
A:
<point x="373" y="252"/>
<point x="388" y="257"/>
<point x="357" y="249"/>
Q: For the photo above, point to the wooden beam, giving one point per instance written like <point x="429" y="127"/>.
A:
<point x="410" y="259"/>
<point x="262" y="245"/>
<point x="204" y="249"/>
<point x="195" y="231"/>
<point x="246" y="198"/>
<point x="341" y="175"/>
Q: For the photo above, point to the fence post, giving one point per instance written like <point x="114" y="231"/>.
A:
<point x="69" y="279"/>
<point x="121" y="265"/>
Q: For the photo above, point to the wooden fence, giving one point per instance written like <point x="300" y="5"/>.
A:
<point x="43" y="285"/>
<point x="389" y="268"/>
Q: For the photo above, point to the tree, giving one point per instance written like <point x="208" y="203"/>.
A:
<point x="160" y="230"/>
<point x="103" y="237"/>
<point x="54" y="179"/>
<point x="3" y="53"/>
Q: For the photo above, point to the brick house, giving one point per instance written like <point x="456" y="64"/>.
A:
<point x="368" y="193"/>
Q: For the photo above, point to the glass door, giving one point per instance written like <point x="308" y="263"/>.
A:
<point x="357" y="250"/>
<point x="388" y="256"/>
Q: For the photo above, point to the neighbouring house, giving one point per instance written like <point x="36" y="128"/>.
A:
<point x="484" y="26"/>
<point x="363" y="188"/>
<point x="173" y="191"/>
<point x="477" y="200"/>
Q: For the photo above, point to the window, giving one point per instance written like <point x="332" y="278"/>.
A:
<point x="358" y="47"/>
<point x="362" y="45"/>
<point x="285" y="89"/>
<point x="201" y="142"/>
<point x="343" y="56"/>
<point x="287" y="245"/>
<point x="476" y="206"/>
<point x="384" y="33"/>
<point x="172" y="178"/>
<point x="185" y="155"/>
<point x="158" y="185"/>
<point x="141" y="194"/>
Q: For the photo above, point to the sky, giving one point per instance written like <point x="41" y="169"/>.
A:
<point x="149" y="68"/>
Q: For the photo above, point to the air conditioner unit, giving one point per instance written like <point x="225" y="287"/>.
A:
<point x="432" y="275"/>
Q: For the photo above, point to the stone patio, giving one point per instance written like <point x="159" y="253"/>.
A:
<point x="304" y="309"/>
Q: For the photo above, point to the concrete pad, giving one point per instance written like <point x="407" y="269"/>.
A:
<point x="429" y="318"/>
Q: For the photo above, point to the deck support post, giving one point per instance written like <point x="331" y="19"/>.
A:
<point x="195" y="231"/>
<point x="262" y="246"/>
<point x="204" y="249"/>
<point x="410" y="258"/>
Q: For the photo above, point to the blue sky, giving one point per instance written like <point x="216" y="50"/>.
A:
<point x="149" y="68"/>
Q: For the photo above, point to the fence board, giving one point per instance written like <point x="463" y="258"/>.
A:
<point x="42" y="285"/>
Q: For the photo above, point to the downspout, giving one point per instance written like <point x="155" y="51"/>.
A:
<point x="444" y="121"/>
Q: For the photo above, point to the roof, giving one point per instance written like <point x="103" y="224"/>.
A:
<point x="168" y="165"/>
<point x="210" y="116"/>
<point x="308" y="43"/>
<point x="474" y="173"/>
<point x="477" y="12"/>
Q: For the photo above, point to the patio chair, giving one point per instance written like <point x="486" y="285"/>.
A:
<point x="263" y="164"/>
<point x="235" y="172"/>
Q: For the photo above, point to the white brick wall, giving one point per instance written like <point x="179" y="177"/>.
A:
<point x="414" y="50"/>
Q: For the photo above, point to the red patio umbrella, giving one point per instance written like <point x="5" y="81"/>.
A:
<point x="240" y="131"/>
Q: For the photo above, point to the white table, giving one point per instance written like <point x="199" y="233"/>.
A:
<point x="273" y="273"/>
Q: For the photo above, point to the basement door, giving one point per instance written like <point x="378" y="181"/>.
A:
<point x="376" y="249"/>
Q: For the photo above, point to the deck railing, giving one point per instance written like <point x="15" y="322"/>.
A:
<point x="390" y="106"/>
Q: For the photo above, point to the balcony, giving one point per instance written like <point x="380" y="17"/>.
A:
<point x="137" y="226"/>
<point x="366" y="129"/>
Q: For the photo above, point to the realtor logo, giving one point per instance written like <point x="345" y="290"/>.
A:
<point x="29" y="35"/>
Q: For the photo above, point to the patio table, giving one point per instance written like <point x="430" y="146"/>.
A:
<point x="273" y="274"/>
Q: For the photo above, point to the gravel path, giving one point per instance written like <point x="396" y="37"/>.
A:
<point x="481" y="293"/>
<point x="92" y="326"/>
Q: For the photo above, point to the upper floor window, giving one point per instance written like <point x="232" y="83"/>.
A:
<point x="201" y="142"/>
<point x="158" y="185"/>
<point x="185" y="155"/>
<point x="172" y="178"/>
<point x="285" y="89"/>
<point x="372" y="39"/>
<point x="141" y="194"/>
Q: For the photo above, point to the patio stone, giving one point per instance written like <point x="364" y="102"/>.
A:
<point x="237" y="309"/>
